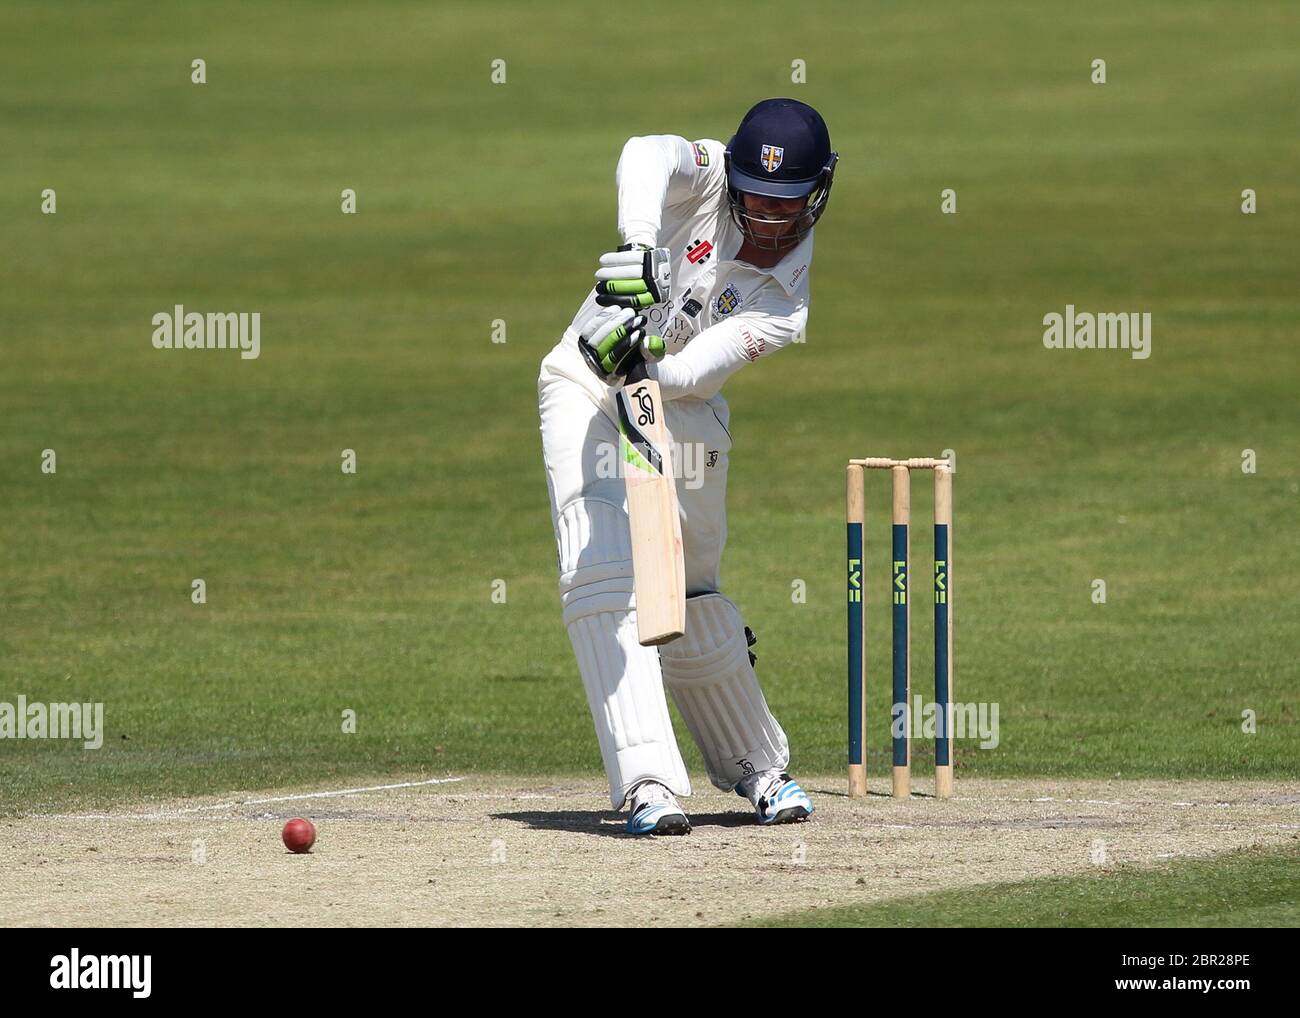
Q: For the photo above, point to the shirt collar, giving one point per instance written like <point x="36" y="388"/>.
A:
<point x="789" y="271"/>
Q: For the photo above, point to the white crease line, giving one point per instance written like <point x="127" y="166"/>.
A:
<point x="164" y="814"/>
<point x="1141" y="802"/>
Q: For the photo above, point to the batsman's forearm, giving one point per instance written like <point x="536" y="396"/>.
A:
<point x="701" y="369"/>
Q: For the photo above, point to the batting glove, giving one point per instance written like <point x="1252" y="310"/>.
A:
<point x="635" y="276"/>
<point x="614" y="341"/>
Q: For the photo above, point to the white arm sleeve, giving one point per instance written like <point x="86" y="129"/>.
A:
<point x="654" y="171"/>
<point x="720" y="350"/>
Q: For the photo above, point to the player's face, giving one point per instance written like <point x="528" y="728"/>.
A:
<point x="782" y="212"/>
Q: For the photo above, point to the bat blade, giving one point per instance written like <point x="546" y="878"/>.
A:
<point x="658" y="566"/>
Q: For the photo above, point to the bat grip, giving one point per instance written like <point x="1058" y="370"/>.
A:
<point x="638" y="374"/>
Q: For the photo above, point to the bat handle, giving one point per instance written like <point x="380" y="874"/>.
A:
<point x="638" y="374"/>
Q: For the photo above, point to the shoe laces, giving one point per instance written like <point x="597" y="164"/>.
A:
<point x="650" y="791"/>
<point x="762" y="784"/>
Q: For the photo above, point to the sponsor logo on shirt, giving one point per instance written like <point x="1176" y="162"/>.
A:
<point x="772" y="156"/>
<point x="754" y="345"/>
<point x="698" y="251"/>
<point x="691" y="307"/>
<point x="726" y="302"/>
<point x="679" y="332"/>
<point x="657" y="314"/>
<point x="701" y="154"/>
<point x="797" y="273"/>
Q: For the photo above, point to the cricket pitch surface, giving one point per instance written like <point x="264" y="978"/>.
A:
<point x="496" y="850"/>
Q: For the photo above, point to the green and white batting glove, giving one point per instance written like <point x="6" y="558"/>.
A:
<point x="635" y="276"/>
<point x="614" y="341"/>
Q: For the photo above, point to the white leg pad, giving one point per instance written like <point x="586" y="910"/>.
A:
<point x="624" y="685"/>
<point x="714" y="686"/>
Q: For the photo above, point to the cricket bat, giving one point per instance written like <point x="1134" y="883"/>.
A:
<point x="659" y="570"/>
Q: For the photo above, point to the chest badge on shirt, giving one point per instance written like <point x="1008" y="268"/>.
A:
<point x="726" y="302"/>
<point x="698" y="251"/>
<point x="772" y="156"/>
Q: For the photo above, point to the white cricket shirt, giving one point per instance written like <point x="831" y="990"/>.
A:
<point x="723" y="314"/>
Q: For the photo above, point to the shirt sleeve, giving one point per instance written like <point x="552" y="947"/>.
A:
<point x="658" y="170"/>
<point x="720" y="350"/>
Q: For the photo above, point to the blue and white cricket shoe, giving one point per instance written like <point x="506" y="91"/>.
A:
<point x="777" y="797"/>
<point x="655" y="811"/>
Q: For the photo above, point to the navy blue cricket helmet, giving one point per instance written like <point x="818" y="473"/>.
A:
<point x="782" y="149"/>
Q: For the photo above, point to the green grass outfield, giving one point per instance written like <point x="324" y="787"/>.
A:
<point x="1241" y="889"/>
<point x="480" y="202"/>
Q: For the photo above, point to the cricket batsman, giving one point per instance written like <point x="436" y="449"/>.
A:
<point x="712" y="276"/>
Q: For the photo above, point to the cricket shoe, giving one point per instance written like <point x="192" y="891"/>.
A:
<point x="777" y="797"/>
<point x="655" y="811"/>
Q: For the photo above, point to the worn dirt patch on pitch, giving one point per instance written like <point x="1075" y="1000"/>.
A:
<point x="492" y="850"/>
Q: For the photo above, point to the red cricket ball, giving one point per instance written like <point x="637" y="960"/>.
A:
<point x="299" y="835"/>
